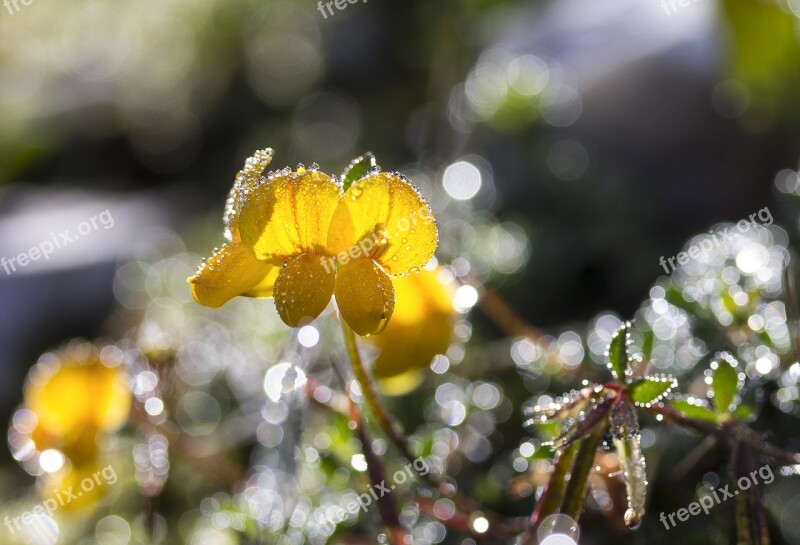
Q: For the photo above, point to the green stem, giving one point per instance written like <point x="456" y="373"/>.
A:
<point x="553" y="495"/>
<point x="724" y="432"/>
<point x="576" y="488"/>
<point x="369" y="393"/>
<point x="391" y="430"/>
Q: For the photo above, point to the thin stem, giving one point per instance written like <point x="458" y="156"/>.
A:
<point x="369" y="393"/>
<point x="466" y="505"/>
<point x="504" y="315"/>
<point x="741" y="433"/>
<point x="395" y="532"/>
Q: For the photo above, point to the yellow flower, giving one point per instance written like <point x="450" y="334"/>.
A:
<point x="300" y="237"/>
<point x="75" y="396"/>
<point x="421" y="328"/>
<point x="88" y="483"/>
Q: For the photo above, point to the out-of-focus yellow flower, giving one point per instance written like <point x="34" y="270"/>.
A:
<point x="77" y="487"/>
<point x="299" y="236"/>
<point x="72" y="399"/>
<point x="421" y="328"/>
<point x="75" y="395"/>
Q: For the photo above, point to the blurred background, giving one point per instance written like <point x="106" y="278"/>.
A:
<point x="564" y="146"/>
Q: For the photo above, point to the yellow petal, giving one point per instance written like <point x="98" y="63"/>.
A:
<point x="232" y="271"/>
<point x="365" y="296"/>
<point x="110" y="396"/>
<point x="245" y="179"/>
<point x="387" y="211"/>
<point x="265" y="288"/>
<point x="303" y="289"/>
<point x="401" y="384"/>
<point x="421" y="326"/>
<point x="289" y="213"/>
<point x="75" y="396"/>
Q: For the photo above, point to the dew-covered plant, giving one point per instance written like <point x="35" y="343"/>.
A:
<point x="382" y="369"/>
<point x="586" y="416"/>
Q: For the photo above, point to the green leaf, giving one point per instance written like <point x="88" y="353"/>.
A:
<point x="649" y="390"/>
<point x="588" y="420"/>
<point x="618" y="352"/>
<point x="626" y="438"/>
<point x="553" y="496"/>
<point x="729" y="304"/>
<point x="748" y="407"/>
<point x="744" y="413"/>
<point x="648" y="339"/>
<point x="694" y="408"/>
<point x="575" y="492"/>
<point x="725" y="382"/>
<point x="764" y="55"/>
<point x="358" y="168"/>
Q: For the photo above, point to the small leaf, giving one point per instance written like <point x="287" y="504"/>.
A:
<point x="358" y="168"/>
<point x="617" y="352"/>
<point x="575" y="493"/>
<point x="553" y="496"/>
<point x="587" y="420"/>
<point x="564" y="405"/>
<point x="743" y="413"/>
<point x="649" y="390"/>
<point x="729" y="303"/>
<point x="648" y="339"/>
<point x="624" y="422"/>
<point x="725" y="382"/>
<point x="749" y="404"/>
<point x="625" y="431"/>
<point x="693" y="407"/>
<point x="631" y="461"/>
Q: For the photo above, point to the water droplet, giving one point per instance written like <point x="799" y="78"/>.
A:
<point x="632" y="519"/>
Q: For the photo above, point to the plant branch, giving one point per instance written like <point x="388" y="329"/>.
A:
<point x="498" y="526"/>
<point x="741" y="433"/>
